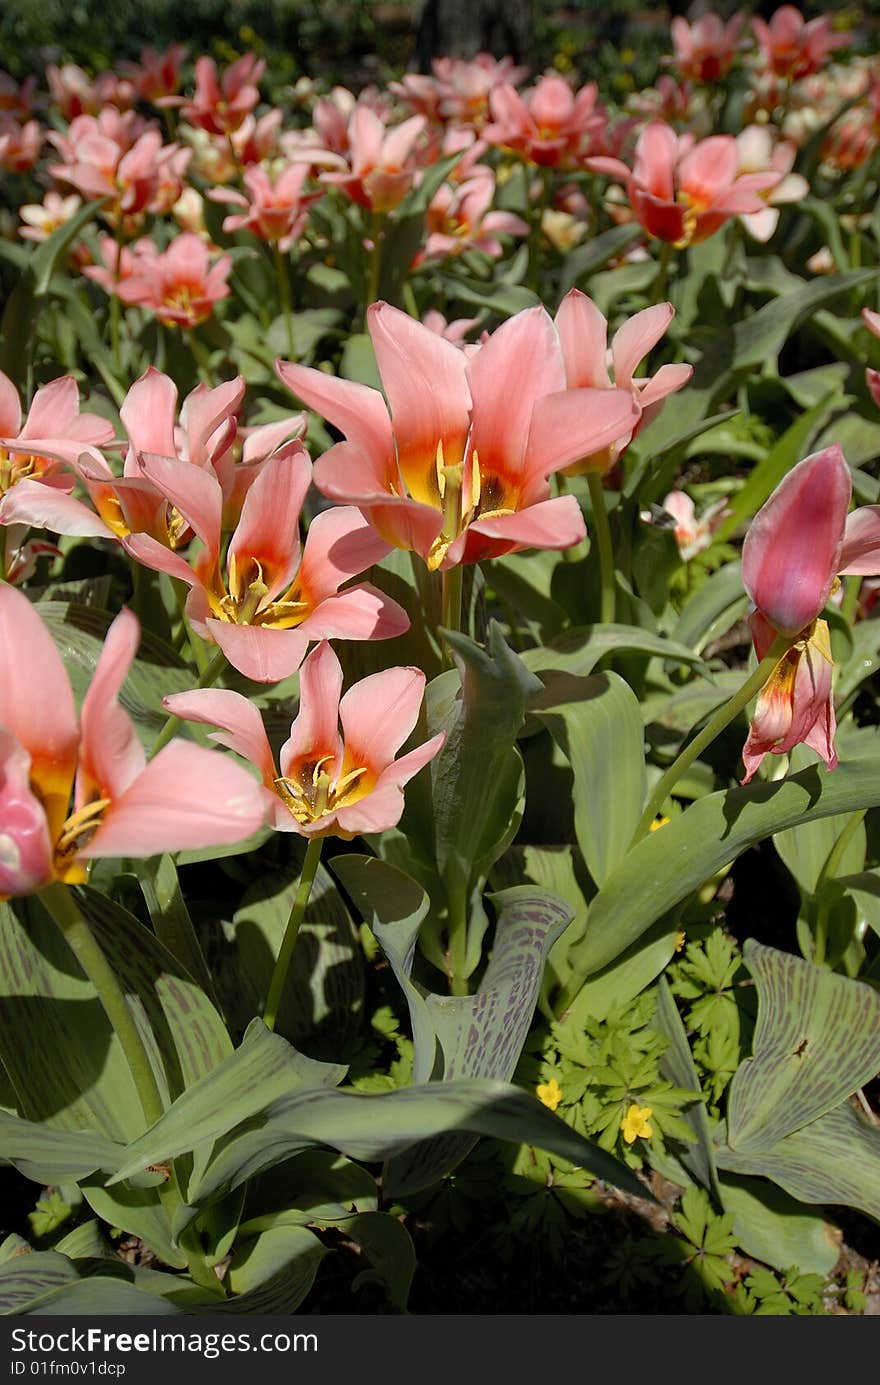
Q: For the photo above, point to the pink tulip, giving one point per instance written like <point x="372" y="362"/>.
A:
<point x="42" y="218"/>
<point x="74" y="93"/>
<point x="180" y="285"/>
<point x="458" y="473"/>
<point x="382" y="162"/>
<point x="693" y="533"/>
<point x="17" y="99"/>
<point x="872" y="322"/>
<point x="19" y="144"/>
<point x="219" y="105"/>
<point x="583" y="333"/>
<point x="549" y="125"/>
<point x="683" y="190"/>
<point x="267" y="601"/>
<point x="70" y="793"/>
<point x="329" y="784"/>
<point x="157" y="75"/>
<point x="793" y="48"/>
<point x="705" y="50"/>
<point x="759" y="151"/>
<point x="796" y="546"/>
<point x="273" y="209"/>
<point x="460" y="218"/>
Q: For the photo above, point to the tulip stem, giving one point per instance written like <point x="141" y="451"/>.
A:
<point x="61" y="905"/>
<point x="659" y="290"/>
<point x="374" y="266"/>
<point x="716" y="724"/>
<point x="450" y="616"/>
<point x="291" y="932"/>
<point x="206" y="680"/>
<point x="284" y="293"/>
<point x="604" y="545"/>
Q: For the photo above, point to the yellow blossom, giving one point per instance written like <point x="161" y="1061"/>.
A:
<point x="636" y="1123"/>
<point x="550" y="1093"/>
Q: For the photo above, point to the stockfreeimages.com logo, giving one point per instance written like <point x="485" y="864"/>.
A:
<point x="93" y="1341"/>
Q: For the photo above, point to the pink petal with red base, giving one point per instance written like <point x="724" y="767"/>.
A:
<point x="268" y="530"/>
<point x="315" y="729"/>
<point x="356" y="410"/>
<point x="36" y="703"/>
<point x="554" y="524"/>
<point x="340" y="544"/>
<point x="194" y="492"/>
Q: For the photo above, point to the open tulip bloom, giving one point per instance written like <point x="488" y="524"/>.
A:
<point x="459" y="470"/>
<point x="71" y="792"/>
<point x="797" y="545"/>
<point x="329" y="784"/>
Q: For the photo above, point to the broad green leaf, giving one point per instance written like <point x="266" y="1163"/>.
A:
<point x="621" y="981"/>
<point x="23" y="306"/>
<point x="46" y="1282"/>
<point x="388" y="1246"/>
<point x="579" y="650"/>
<point x="359" y="361"/>
<point x="28" y="1279"/>
<point x="712" y="609"/>
<point x="595" y="254"/>
<point x="667" y="866"/>
<point x="170" y="917"/>
<point x="272" y="1272"/>
<point x="264" y="1068"/>
<point x="139" y="1212"/>
<point x="375" y="1126"/>
<point x="805" y="849"/>
<point x="864" y="888"/>
<point x="652" y="472"/>
<point x="817" y="1040"/>
<point x="766" y="476"/>
<point x="835" y="1159"/>
<point x="394" y="905"/>
<point x="557" y="870"/>
<point x="85" y="1242"/>
<point x="597" y="723"/>
<point x="79" y="633"/>
<point x="677" y="1066"/>
<point x="51" y="1156"/>
<point x="772" y="1227"/>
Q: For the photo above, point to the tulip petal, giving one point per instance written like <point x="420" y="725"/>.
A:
<point x="44" y="507"/>
<point x="583" y="333"/>
<point x="340" y="545"/>
<point x="638" y="335"/>
<point x="264" y="655"/>
<point x="240" y="724"/>
<point x="356" y="410"/>
<point x="378" y="714"/>
<point x="573" y="424"/>
<point x="25" y="847"/>
<point x="148" y="413"/>
<point x="194" y="492"/>
<point x="110" y="753"/>
<point x="359" y="613"/>
<point x="860" y="555"/>
<point x="554" y="524"/>
<point x="315" y="729"/>
<point x="268" y="530"/>
<point x="791" y="553"/>
<point x="186" y="798"/>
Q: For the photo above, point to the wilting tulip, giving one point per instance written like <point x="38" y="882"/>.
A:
<point x="458" y="473"/>
<point x="683" y="190"/>
<point x="794" y="48"/>
<point x="583" y="332"/>
<point x="796" y="546"/>
<point x="705" y="50"/>
<point x="329" y="784"/>
<point x="70" y="793"/>
<point x="269" y="601"/>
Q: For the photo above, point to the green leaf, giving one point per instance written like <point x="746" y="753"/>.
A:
<point x="817" y="1040"/>
<point x="170" y="917"/>
<point x="579" y="650"/>
<point x="388" y="1246"/>
<point x="597" y="723"/>
<point x="52" y="1156"/>
<point x="595" y="254"/>
<point x="25" y="302"/>
<point x="835" y="1159"/>
<point x="373" y="1126"/>
<point x="667" y="866"/>
<point x="772" y="1227"/>
<point x="677" y="1066"/>
<point x="712" y="609"/>
<point x="272" y="1272"/>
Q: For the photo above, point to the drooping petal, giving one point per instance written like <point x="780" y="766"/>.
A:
<point x="795" y="706"/>
<point x="155" y="555"/>
<point x="264" y="655"/>
<point x="860" y="555"/>
<point x="344" y="474"/>
<point x="110" y="753"/>
<point x="315" y="730"/>
<point x="240" y="724"/>
<point x="378" y="714"/>
<point x="36" y="703"/>
<point x="25" y="845"/>
<point x="186" y="798"/>
<point x="791" y="553"/>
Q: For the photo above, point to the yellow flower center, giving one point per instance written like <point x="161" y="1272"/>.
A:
<point x="310" y="792"/>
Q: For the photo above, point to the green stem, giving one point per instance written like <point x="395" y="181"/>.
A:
<point x="536" y="226"/>
<point x="603" y="542"/>
<point x="291" y="932"/>
<point x="374" y="268"/>
<point x="716" y="724"/>
<point x="201" y="355"/>
<point x="284" y="293"/>
<point x="456" y="954"/>
<point x="450" y="617"/>
<point x="207" y="680"/>
<point x="60" y="903"/>
<point x="658" y="292"/>
<point x="849" y="609"/>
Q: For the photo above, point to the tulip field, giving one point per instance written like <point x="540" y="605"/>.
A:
<point x="440" y="679"/>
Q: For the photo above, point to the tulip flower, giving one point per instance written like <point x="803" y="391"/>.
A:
<point x="458" y="473"/>
<point x="272" y="600"/>
<point x="548" y="125"/>
<point x="583" y="333"/>
<point x="72" y="792"/>
<point x="693" y="532"/>
<point x="42" y="218"/>
<point x="758" y="152"/>
<point x="872" y="322"/>
<point x="180" y="285"/>
<point x="220" y="105"/>
<point x="157" y="75"/>
<point x="794" y="550"/>
<point x="705" y="50"/>
<point x="459" y="218"/>
<point x="328" y="784"/>
<point x="19" y="144"/>
<point x="792" y="47"/>
<point x="274" y="209"/>
<point x="382" y="161"/>
<point x="683" y="190"/>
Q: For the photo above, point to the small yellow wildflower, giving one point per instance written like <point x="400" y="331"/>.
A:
<point x="658" y="822"/>
<point x="550" y="1093"/>
<point x="680" y="939"/>
<point x="636" y="1123"/>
